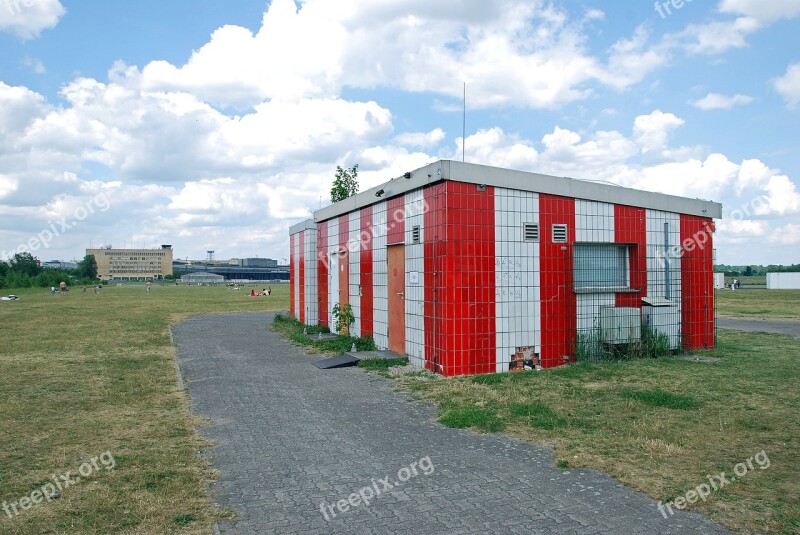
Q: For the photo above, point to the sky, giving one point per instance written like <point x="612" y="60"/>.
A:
<point x="215" y="125"/>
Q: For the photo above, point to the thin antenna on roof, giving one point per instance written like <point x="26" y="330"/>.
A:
<point x="464" y="125"/>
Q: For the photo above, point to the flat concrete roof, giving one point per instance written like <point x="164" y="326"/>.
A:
<point x="308" y="224"/>
<point x="519" y="180"/>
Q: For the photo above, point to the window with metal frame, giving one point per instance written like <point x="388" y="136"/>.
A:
<point x="601" y="266"/>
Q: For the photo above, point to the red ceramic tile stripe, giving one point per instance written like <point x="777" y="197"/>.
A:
<point x="557" y="292"/>
<point x="292" y="281"/>
<point x="630" y="226"/>
<point x="697" y="284"/>
<point x="469" y="281"/>
<point x="367" y="294"/>
<point x="302" y="277"/>
<point x="322" y="271"/>
<point x="433" y="220"/>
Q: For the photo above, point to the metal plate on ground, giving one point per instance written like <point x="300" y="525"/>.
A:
<point x="343" y="361"/>
<point x="696" y="358"/>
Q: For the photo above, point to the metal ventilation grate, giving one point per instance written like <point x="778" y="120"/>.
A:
<point x="415" y="234"/>
<point x="559" y="233"/>
<point x="530" y="232"/>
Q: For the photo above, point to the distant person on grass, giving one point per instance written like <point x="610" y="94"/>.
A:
<point x="149" y="285"/>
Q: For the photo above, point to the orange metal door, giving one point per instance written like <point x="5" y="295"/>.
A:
<point x="396" y="263"/>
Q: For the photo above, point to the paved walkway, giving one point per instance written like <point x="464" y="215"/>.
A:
<point x="791" y="328"/>
<point x="293" y="440"/>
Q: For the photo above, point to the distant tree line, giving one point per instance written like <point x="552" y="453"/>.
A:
<point x="24" y="270"/>
<point x="754" y="271"/>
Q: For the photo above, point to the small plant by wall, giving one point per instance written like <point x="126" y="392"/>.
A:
<point x="343" y="317"/>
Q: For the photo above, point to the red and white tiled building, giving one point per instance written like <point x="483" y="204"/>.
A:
<point x="468" y="269"/>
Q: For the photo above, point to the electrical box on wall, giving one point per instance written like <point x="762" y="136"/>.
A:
<point x="620" y="325"/>
<point x="662" y="316"/>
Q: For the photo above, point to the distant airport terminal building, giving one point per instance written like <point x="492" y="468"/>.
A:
<point x="149" y="264"/>
<point x="234" y="270"/>
<point x="202" y="278"/>
<point x="59" y="264"/>
<point x="132" y="264"/>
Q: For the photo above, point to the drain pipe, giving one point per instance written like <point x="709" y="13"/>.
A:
<point x="667" y="282"/>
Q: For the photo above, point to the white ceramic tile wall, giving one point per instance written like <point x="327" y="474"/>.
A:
<point x="415" y="292"/>
<point x="656" y="257"/>
<point x="380" y="314"/>
<point x="333" y="269"/>
<point x="517" y="269"/>
<point x="310" y="276"/>
<point x="354" y="273"/>
<point x="594" y="222"/>
<point x="295" y="238"/>
<point x="588" y="309"/>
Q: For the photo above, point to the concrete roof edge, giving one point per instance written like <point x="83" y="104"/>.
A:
<point x="391" y="188"/>
<point x="308" y="224"/>
<point x="524" y="181"/>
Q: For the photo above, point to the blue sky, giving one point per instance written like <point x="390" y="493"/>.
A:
<point x="212" y="125"/>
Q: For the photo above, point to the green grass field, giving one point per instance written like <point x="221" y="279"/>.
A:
<point x="759" y="304"/>
<point x="84" y="374"/>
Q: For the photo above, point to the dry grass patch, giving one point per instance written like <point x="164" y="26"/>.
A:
<point x="85" y="374"/>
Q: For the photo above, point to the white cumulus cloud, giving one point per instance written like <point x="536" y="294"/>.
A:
<point x="767" y="11"/>
<point x="421" y="139"/>
<point x="788" y="85"/>
<point x="28" y="18"/>
<point x="717" y="101"/>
